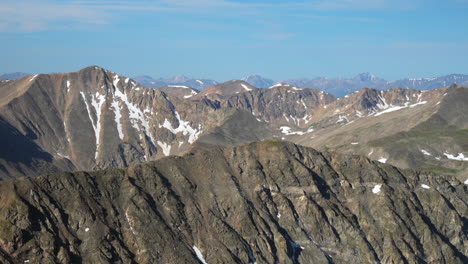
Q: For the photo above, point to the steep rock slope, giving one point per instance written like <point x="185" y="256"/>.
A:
<point x="95" y="119"/>
<point x="268" y="202"/>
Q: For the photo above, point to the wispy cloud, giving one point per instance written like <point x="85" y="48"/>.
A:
<point x="36" y="15"/>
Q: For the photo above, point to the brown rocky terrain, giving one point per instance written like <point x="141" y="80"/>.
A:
<point x="225" y="89"/>
<point x="180" y="91"/>
<point x="93" y="119"/>
<point x="96" y="119"/>
<point x="268" y="202"/>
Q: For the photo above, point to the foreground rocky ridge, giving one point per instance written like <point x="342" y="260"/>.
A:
<point x="268" y="202"/>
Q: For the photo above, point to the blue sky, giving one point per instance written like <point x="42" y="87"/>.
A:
<point x="222" y="39"/>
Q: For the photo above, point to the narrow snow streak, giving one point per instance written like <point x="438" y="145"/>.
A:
<point x="96" y="124"/>
<point x="199" y="255"/>
<point x="460" y="157"/>
<point x="34" y="77"/>
<point x="425" y="152"/>
<point x="118" y="116"/>
<point x="68" y="86"/>
<point x="246" y="87"/>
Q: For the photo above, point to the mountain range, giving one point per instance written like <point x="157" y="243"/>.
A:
<point x="179" y="80"/>
<point x="231" y="173"/>
<point x="336" y="86"/>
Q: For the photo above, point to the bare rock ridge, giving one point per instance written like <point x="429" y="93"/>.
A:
<point x="96" y="119"/>
<point x="267" y="202"/>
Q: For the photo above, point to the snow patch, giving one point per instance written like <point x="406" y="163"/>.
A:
<point x="342" y="118"/>
<point x="425" y="186"/>
<point x="183" y="127"/>
<point x="391" y="109"/>
<point x="129" y="221"/>
<point x="166" y="148"/>
<point x="63" y="156"/>
<point x="86" y="230"/>
<point x="199" y="255"/>
<point x="466" y="182"/>
<point x="126" y="80"/>
<point x="276" y="85"/>
<point x="135" y="114"/>
<point x="376" y="188"/>
<point x="200" y="82"/>
<point x="116" y="80"/>
<point x="419" y="103"/>
<point x="425" y="152"/>
<point x="370" y="153"/>
<point x="460" y="157"/>
<point x="354" y="143"/>
<point x="191" y="94"/>
<point x="68" y="86"/>
<point x="382" y="160"/>
<point x="179" y="86"/>
<point x="287" y="131"/>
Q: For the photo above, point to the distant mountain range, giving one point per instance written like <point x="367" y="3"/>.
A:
<point x="342" y="86"/>
<point x="13" y="75"/>
<point x="337" y="86"/>
<point x="259" y="81"/>
<point x="179" y="80"/>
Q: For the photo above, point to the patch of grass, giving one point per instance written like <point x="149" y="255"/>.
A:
<point x="439" y="169"/>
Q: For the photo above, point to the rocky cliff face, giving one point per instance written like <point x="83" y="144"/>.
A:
<point x="269" y="202"/>
<point x="94" y="119"/>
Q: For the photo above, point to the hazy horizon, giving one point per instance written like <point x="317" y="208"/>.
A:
<point x="223" y="40"/>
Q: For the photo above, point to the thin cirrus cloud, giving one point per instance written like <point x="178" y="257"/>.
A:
<point x="35" y="15"/>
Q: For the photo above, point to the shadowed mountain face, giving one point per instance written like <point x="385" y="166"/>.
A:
<point x="268" y="202"/>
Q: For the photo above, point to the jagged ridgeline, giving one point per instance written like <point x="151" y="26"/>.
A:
<point x="95" y="119"/>
<point x="268" y="202"/>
